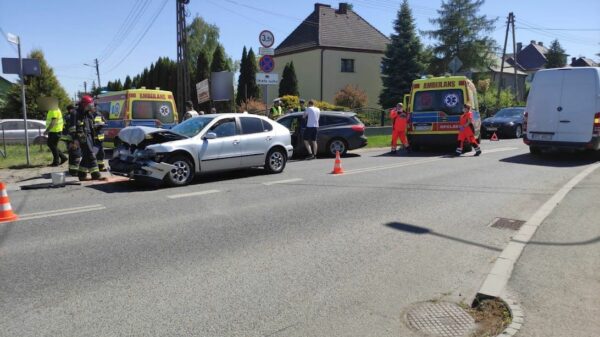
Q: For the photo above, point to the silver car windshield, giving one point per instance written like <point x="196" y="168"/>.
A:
<point x="192" y="126"/>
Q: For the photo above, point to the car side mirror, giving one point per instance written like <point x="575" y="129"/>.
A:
<point x="210" y="135"/>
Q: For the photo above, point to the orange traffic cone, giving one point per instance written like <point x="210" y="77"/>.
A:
<point x="337" y="167"/>
<point x="494" y="137"/>
<point x="6" y="213"/>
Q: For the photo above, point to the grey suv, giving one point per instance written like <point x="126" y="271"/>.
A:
<point x="338" y="131"/>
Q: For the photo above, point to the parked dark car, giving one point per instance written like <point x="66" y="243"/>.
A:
<point x="506" y="123"/>
<point x="338" y="131"/>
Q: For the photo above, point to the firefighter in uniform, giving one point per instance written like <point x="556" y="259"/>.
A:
<point x="83" y="138"/>
<point x="276" y="109"/>
<point x="74" y="152"/>
<point x="399" y="119"/>
<point x="466" y="131"/>
<point x="99" y="124"/>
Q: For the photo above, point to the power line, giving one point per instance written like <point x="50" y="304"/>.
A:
<point x="150" y="23"/>
<point x="126" y="28"/>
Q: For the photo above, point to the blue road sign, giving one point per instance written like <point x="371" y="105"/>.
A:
<point x="266" y="63"/>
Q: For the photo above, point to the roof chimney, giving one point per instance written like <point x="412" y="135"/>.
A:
<point x="573" y="59"/>
<point x="318" y="5"/>
<point x="343" y="9"/>
<point x="519" y="46"/>
<point x="532" y="41"/>
<point x="541" y="43"/>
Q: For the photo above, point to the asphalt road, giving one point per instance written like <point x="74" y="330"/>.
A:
<point x="302" y="253"/>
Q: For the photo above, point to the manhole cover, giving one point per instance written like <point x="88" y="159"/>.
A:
<point x="507" y="223"/>
<point x="440" y="319"/>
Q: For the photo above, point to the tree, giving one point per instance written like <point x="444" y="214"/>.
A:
<point x="289" y="82"/>
<point x="556" y="57"/>
<point x="201" y="37"/>
<point x="253" y="90"/>
<point x="403" y="60"/>
<point x="242" y="80"/>
<point x="351" y="96"/>
<point x="461" y="33"/>
<point x="128" y="83"/>
<point x="35" y="86"/>
<point x="219" y="63"/>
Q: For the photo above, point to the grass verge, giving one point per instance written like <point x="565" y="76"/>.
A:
<point x="39" y="155"/>
<point x="491" y="316"/>
<point x="379" y="141"/>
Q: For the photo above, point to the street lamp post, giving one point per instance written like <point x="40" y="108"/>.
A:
<point x="17" y="40"/>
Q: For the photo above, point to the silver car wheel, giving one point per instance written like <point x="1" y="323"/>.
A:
<point x="337" y="145"/>
<point x="181" y="172"/>
<point x="276" y="161"/>
<point x="518" y="131"/>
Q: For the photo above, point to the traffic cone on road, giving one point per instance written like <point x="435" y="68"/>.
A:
<point x="6" y="213"/>
<point x="337" y="166"/>
<point x="494" y="137"/>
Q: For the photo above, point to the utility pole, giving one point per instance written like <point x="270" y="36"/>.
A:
<point x="95" y="65"/>
<point x="183" y="78"/>
<point x="515" y="60"/>
<point x="85" y="87"/>
<point x="17" y="40"/>
<point x="511" y="21"/>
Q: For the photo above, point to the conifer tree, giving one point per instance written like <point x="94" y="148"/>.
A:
<point x="402" y="62"/>
<point x="289" y="82"/>
<point x="556" y="57"/>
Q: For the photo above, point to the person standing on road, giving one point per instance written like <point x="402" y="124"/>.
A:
<point x="276" y="110"/>
<point x="99" y="124"/>
<point x="54" y="128"/>
<point x="466" y="131"/>
<point x="311" y="115"/>
<point x="399" y="119"/>
<point x="302" y="107"/>
<point x="68" y="129"/>
<point x="83" y="138"/>
<point x="189" y="111"/>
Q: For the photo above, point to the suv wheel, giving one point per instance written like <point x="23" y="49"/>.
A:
<point x="337" y="144"/>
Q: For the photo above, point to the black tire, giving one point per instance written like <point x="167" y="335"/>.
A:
<point x="182" y="174"/>
<point x="518" y="131"/>
<point x="275" y="161"/>
<point x="415" y="147"/>
<point x="337" y="144"/>
<point x="535" y="150"/>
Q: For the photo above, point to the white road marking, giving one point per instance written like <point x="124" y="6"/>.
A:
<point x="416" y="162"/>
<point x="192" y="194"/>
<point x="58" y="212"/>
<point x="501" y="272"/>
<point x="282" y="181"/>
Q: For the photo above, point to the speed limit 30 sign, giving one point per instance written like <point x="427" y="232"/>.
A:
<point x="266" y="38"/>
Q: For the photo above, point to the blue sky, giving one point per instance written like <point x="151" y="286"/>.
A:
<point x="74" y="32"/>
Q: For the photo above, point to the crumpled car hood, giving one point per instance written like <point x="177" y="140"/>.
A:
<point x="134" y="135"/>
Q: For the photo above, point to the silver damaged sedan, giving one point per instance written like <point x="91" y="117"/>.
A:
<point x="207" y="143"/>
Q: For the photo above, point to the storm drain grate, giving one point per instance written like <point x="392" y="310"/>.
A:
<point x="507" y="223"/>
<point x="440" y="319"/>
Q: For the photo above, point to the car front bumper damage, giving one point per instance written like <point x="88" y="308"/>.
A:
<point x="140" y="169"/>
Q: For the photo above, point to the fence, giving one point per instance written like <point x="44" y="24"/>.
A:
<point x="373" y="117"/>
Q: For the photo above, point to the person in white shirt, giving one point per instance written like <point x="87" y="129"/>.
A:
<point x="189" y="111"/>
<point x="311" y="115"/>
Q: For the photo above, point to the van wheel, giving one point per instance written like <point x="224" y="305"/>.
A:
<point x="518" y="131"/>
<point x="535" y="150"/>
<point x="183" y="172"/>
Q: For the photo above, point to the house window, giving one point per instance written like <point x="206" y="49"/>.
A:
<point x="347" y="65"/>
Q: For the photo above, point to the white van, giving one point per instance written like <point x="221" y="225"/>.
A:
<point x="563" y="110"/>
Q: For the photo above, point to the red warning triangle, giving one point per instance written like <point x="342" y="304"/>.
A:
<point x="494" y="137"/>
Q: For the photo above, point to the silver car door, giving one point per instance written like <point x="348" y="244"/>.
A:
<point x="223" y="152"/>
<point x="256" y="141"/>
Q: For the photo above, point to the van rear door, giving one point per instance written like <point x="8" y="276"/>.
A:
<point x="542" y="104"/>
<point x="577" y="106"/>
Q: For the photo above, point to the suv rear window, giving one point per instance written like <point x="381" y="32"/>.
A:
<point x="160" y="110"/>
<point x="332" y="120"/>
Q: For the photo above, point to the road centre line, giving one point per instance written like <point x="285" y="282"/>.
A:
<point x="282" y="181"/>
<point x="417" y="162"/>
<point x="58" y="212"/>
<point x="192" y="194"/>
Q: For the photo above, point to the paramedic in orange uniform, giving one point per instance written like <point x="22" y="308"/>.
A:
<point x="466" y="131"/>
<point x="399" y="119"/>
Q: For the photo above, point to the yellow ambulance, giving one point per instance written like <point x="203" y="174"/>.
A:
<point x="136" y="107"/>
<point x="435" y="105"/>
